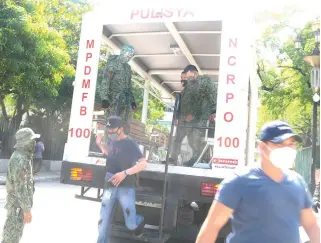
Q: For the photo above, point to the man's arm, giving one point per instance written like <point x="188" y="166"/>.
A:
<point x="226" y="201"/>
<point x="24" y="185"/>
<point x="308" y="220"/>
<point x="138" y="167"/>
<point x="208" y="97"/>
<point x="309" y="223"/>
<point x="103" y="147"/>
<point x="217" y="217"/>
<point x="120" y="176"/>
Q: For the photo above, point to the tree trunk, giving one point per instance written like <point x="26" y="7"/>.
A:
<point x="3" y="108"/>
<point x="18" y="117"/>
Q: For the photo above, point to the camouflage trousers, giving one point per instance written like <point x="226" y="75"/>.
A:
<point x="124" y="111"/>
<point x="120" y="106"/>
<point x="13" y="227"/>
<point x="195" y="139"/>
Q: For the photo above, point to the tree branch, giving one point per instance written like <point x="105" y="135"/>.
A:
<point x="299" y="70"/>
<point x="294" y="68"/>
<point x="258" y="71"/>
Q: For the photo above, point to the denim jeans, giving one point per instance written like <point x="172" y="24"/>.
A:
<point x="126" y="198"/>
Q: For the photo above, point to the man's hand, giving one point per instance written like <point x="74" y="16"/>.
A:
<point x="117" y="178"/>
<point x="27" y="217"/>
<point x="212" y="117"/>
<point x="189" y="117"/>
<point x="134" y="106"/>
<point x="104" y="150"/>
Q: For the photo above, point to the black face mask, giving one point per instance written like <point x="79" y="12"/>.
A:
<point x="184" y="82"/>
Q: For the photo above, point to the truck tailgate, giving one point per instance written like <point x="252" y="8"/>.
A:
<point x="185" y="183"/>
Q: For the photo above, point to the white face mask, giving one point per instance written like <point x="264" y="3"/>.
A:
<point x="283" y="158"/>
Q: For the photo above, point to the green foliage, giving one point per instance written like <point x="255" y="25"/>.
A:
<point x="39" y="50"/>
<point x="34" y="57"/>
<point x="156" y="108"/>
<point x="286" y="92"/>
<point x="38" y="45"/>
<point x="65" y="17"/>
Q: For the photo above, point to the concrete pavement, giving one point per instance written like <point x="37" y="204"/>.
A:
<point x="58" y="216"/>
<point x="43" y="176"/>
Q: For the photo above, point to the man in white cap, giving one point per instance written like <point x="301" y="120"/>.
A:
<point x="20" y="186"/>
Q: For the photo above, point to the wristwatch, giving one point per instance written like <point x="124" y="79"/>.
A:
<point x="126" y="173"/>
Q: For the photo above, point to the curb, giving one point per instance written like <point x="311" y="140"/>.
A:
<point x="55" y="177"/>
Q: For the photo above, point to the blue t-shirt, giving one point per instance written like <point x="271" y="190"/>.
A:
<point x="264" y="211"/>
<point x="122" y="155"/>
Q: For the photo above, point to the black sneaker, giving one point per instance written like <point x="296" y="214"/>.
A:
<point x="139" y="231"/>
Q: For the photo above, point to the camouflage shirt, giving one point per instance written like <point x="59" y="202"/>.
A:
<point x="20" y="183"/>
<point x="199" y="99"/>
<point x="207" y="95"/>
<point x="189" y="99"/>
<point x="117" y="82"/>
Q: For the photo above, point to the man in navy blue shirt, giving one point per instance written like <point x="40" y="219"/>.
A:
<point x="124" y="160"/>
<point x="266" y="204"/>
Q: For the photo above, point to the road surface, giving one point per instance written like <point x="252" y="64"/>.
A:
<point x="58" y="216"/>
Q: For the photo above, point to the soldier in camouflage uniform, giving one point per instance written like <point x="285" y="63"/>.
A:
<point x="182" y="131"/>
<point x="202" y="109"/>
<point x="198" y="105"/>
<point x="116" y="88"/>
<point x="20" y="186"/>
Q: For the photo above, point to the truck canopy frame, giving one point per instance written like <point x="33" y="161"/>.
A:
<point x="217" y="41"/>
<point x="174" y="46"/>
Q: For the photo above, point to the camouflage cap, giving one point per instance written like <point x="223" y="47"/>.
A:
<point x="128" y="49"/>
<point x="25" y="134"/>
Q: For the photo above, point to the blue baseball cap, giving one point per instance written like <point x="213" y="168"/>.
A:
<point x="277" y="132"/>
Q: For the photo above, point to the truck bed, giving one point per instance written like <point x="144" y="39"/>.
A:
<point x="180" y="170"/>
<point x="184" y="182"/>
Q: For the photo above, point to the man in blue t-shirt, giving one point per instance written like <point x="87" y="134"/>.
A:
<point x="124" y="160"/>
<point x="266" y="204"/>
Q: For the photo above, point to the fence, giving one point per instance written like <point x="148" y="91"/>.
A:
<point x="53" y="134"/>
<point x="54" y="138"/>
<point x="303" y="163"/>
